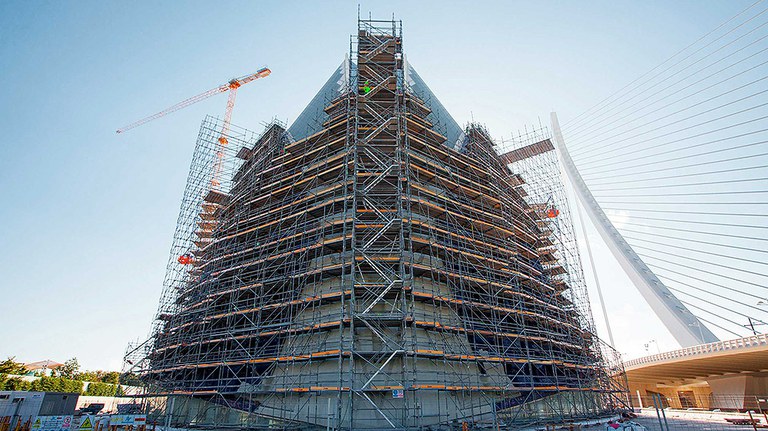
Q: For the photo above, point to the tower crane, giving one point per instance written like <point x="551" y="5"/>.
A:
<point x="230" y="86"/>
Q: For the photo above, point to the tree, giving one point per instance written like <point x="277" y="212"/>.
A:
<point x="10" y="366"/>
<point x="112" y="377"/>
<point x="101" y="389"/>
<point x="130" y="379"/>
<point x="89" y="376"/>
<point x="13" y="384"/>
<point x="70" y="369"/>
<point x="57" y="384"/>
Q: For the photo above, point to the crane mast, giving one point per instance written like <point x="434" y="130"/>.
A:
<point x="232" y="87"/>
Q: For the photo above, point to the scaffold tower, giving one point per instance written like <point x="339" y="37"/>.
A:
<point x="375" y="273"/>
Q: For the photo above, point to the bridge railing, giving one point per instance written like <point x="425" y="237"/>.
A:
<point x="719" y="346"/>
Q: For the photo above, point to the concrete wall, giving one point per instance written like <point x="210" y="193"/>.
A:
<point x="734" y="392"/>
<point x="701" y="394"/>
<point x="740" y="392"/>
<point x="728" y="392"/>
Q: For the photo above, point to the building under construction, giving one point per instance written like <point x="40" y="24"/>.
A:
<point x="374" y="266"/>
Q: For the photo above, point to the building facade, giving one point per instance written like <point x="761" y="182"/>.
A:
<point x="374" y="266"/>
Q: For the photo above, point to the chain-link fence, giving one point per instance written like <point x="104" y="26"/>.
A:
<point x="658" y="415"/>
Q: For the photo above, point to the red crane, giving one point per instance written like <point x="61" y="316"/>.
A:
<point x="230" y="86"/>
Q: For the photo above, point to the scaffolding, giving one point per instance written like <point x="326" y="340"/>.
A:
<point x="369" y="277"/>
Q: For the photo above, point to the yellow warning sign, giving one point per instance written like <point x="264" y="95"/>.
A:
<point x="37" y="424"/>
<point x="87" y="424"/>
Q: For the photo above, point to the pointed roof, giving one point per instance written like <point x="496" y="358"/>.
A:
<point x="311" y="119"/>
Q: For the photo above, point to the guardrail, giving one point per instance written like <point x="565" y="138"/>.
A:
<point x="719" y="346"/>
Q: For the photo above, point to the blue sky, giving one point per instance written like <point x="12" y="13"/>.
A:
<point x="88" y="216"/>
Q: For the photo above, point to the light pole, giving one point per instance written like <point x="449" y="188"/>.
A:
<point x="751" y="325"/>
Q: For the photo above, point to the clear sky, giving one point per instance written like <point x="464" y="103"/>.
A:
<point x="88" y="216"/>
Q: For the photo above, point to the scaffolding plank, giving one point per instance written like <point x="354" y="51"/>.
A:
<point x="528" y="151"/>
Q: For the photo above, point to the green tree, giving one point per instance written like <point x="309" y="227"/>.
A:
<point x="112" y="377"/>
<point x="13" y="383"/>
<point x="3" y="382"/>
<point x="101" y="389"/>
<point x="57" y="384"/>
<point x="19" y="385"/>
<point x="10" y="366"/>
<point x="88" y="376"/>
<point x="70" y="369"/>
<point x="130" y="379"/>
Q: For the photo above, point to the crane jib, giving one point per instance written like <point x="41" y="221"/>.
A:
<point x="231" y="85"/>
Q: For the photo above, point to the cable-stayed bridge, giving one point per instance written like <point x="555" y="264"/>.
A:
<point x="672" y="170"/>
<point x="677" y="161"/>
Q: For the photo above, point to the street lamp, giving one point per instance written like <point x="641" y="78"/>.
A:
<point x="751" y="325"/>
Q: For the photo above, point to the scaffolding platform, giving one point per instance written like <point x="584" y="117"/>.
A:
<point x="375" y="274"/>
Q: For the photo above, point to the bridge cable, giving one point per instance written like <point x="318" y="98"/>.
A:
<point x="578" y="137"/>
<point x="567" y="124"/>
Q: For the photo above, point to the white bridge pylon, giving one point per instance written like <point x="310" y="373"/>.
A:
<point x="687" y="329"/>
